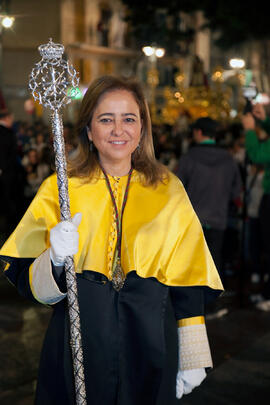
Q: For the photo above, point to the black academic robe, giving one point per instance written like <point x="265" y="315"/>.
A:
<point x="129" y="339"/>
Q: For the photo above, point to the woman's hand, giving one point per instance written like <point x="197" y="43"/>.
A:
<point x="64" y="239"/>
<point x="187" y="380"/>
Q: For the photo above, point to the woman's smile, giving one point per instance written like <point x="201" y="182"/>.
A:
<point x="118" y="142"/>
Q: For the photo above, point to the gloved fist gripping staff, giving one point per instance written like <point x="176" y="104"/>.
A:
<point x="49" y="82"/>
<point x="64" y="239"/>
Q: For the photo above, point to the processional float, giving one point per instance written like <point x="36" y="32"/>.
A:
<point x="52" y="81"/>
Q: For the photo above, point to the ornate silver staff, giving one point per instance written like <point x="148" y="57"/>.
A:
<point x="52" y="81"/>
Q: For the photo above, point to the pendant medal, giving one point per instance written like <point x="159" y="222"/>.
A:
<point x="118" y="278"/>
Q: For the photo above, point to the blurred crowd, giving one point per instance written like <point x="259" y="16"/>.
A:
<point x="26" y="159"/>
<point x="240" y="247"/>
<point x="232" y="178"/>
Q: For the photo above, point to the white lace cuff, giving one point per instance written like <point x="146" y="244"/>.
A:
<point x="194" y="350"/>
<point x="42" y="283"/>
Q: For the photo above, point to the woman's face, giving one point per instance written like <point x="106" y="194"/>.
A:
<point x="116" y="127"/>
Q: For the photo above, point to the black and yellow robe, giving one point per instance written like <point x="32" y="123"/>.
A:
<point x="129" y="338"/>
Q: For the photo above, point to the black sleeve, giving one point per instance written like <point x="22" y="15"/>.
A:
<point x="18" y="274"/>
<point x="59" y="276"/>
<point x="190" y="301"/>
<point x="187" y="301"/>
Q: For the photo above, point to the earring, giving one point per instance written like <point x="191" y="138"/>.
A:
<point x="91" y="146"/>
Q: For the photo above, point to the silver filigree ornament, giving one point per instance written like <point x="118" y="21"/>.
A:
<point x="53" y="81"/>
<point x="50" y="83"/>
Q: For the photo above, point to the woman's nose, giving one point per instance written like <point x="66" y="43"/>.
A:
<point x="118" y="128"/>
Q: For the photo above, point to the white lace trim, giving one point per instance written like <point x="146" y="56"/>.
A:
<point x="194" y="350"/>
<point x="42" y="283"/>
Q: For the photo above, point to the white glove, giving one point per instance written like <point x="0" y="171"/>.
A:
<point x="187" y="380"/>
<point x="64" y="240"/>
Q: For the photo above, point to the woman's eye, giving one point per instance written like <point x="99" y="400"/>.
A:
<point x="129" y="119"/>
<point x="105" y="120"/>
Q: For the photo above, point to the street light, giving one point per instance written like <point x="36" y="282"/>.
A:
<point x="237" y="63"/>
<point x="152" y="53"/>
<point x="160" y="52"/>
<point x="148" y="50"/>
<point x="7" y="21"/>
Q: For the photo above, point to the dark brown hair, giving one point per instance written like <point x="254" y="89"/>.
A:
<point x="85" y="164"/>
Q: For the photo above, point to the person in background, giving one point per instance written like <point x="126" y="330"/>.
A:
<point x="259" y="153"/>
<point x="37" y="167"/>
<point x="253" y="244"/>
<point x="40" y="143"/>
<point x="8" y="172"/>
<point x="21" y="137"/>
<point x="212" y="179"/>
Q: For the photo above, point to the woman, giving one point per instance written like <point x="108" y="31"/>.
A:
<point x="143" y="267"/>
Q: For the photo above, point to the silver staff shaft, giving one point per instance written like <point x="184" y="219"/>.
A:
<point x="50" y="82"/>
<point x="72" y="294"/>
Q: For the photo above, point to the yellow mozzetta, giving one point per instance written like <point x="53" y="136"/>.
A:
<point x="162" y="236"/>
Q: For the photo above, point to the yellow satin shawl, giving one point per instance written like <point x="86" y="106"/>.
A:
<point x="161" y="236"/>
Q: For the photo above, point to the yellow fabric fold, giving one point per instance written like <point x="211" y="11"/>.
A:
<point x="195" y="320"/>
<point x="7" y="265"/>
<point x="161" y="236"/>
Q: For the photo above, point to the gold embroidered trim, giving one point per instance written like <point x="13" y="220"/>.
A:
<point x="113" y="230"/>
<point x="195" y="320"/>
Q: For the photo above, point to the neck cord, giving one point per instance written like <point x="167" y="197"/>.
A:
<point x="118" y="274"/>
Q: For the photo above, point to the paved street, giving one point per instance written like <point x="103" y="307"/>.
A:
<point x="240" y="343"/>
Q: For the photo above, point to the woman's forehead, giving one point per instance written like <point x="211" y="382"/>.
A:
<point x="115" y="100"/>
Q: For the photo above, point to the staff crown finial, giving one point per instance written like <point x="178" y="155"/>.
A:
<point x="51" y="50"/>
<point x="53" y="80"/>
